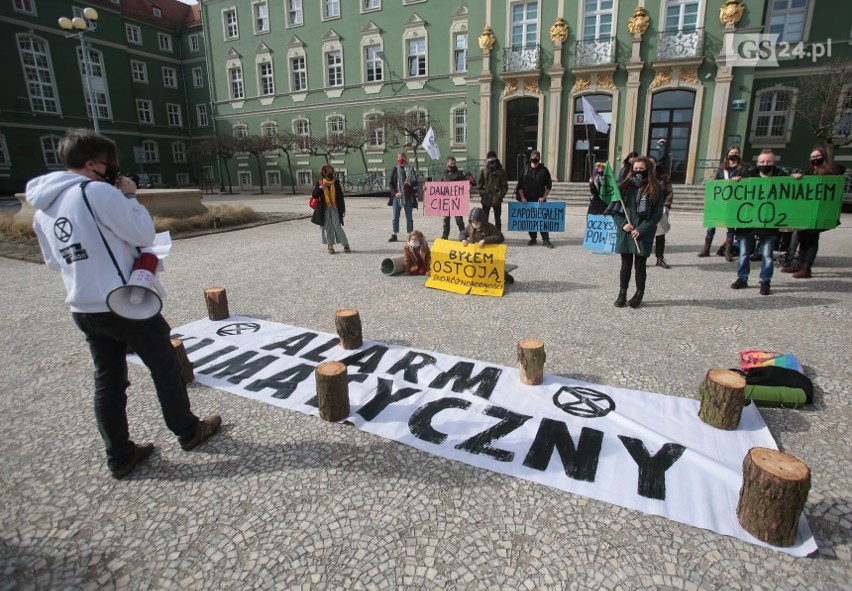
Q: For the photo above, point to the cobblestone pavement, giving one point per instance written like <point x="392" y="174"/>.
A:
<point x="280" y="500"/>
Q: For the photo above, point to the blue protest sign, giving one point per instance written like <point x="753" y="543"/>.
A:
<point x="537" y="217"/>
<point x="600" y="234"/>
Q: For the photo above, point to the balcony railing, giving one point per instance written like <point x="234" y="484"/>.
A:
<point x="680" y="44"/>
<point x="596" y="52"/>
<point x="522" y="59"/>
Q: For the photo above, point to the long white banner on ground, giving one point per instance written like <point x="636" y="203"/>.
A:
<point x="640" y="450"/>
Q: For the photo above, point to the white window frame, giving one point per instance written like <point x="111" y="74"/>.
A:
<point x="133" y="34"/>
<point x="844" y="112"/>
<point x="194" y="45"/>
<point x="198" y="77"/>
<point x="334" y="70"/>
<point x="326" y="12"/>
<point x="164" y="42"/>
<point x="174" y="116"/>
<point x="370" y="5"/>
<point x="456" y="52"/>
<point x="294" y="10"/>
<point x="529" y="27"/>
<point x="5" y="156"/>
<point x="458" y="128"/>
<point x="598" y="17"/>
<point x="300" y="74"/>
<point x="270" y="173"/>
<point x="46" y="79"/>
<point x="269" y="129"/>
<point x="260" y="17"/>
<point x="50" y="153"/>
<point x="96" y="64"/>
<point x="785" y="13"/>
<point x="376" y="140"/>
<point x="169" y="77"/>
<point x="418" y="57"/>
<point x="301" y="127"/>
<point x="151" y="154"/>
<point x="157" y="12"/>
<point x="144" y="110"/>
<point x="376" y="63"/>
<point x="230" y="27"/>
<point x="178" y="152"/>
<point x="769" y="140"/>
<point x="236" y="84"/>
<point x="681" y="6"/>
<point x="139" y="71"/>
<point x="304" y="177"/>
<point x="201" y="115"/>
<point x="335" y="124"/>
<point x="264" y="80"/>
<point x="242" y="177"/>
<point x="240" y="131"/>
<point x="182" y="178"/>
<point x="156" y="178"/>
<point x="25" y="7"/>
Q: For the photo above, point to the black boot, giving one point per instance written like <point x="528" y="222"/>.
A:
<point x="622" y="298"/>
<point x="661" y="262"/>
<point x="636" y="299"/>
<point x="705" y="252"/>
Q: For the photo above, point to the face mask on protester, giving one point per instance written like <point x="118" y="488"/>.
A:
<point x="476" y="225"/>
<point x="400" y="161"/>
<point x="414" y="243"/>
<point x="733" y="157"/>
<point x="640" y="177"/>
<point x="330" y="176"/>
<point x="765" y="168"/>
<point x="534" y="160"/>
<point x="110" y="174"/>
<point x="817" y="161"/>
<point x="451" y="167"/>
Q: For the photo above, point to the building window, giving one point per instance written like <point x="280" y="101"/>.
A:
<point x="165" y="42"/>
<point x="197" y="77"/>
<point x="261" y="17"/>
<point x="201" y="115"/>
<point x="273" y="178"/>
<point x="139" y="71"/>
<point x="25" y="6"/>
<point x="235" y="77"/>
<point x="299" y="72"/>
<point x="335" y="126"/>
<point x="156" y="179"/>
<point x="367" y="5"/>
<point x="460" y="52"/>
<point x="304" y="177"/>
<point x="459" y="118"/>
<point x="524" y="25"/>
<point x="244" y="178"/>
<point x="416" y="57"/>
<point x="174" y="115"/>
<point x="5" y="161"/>
<point x="265" y="78"/>
<point x="331" y="9"/>
<point x="334" y="63"/>
<point x="158" y="13"/>
<point x="150" y="151"/>
<point x="193" y="43"/>
<point x="178" y="152"/>
<point x="787" y="19"/>
<point x="773" y="114"/>
<point x="844" y="113"/>
<point x="38" y="73"/>
<point x="229" y="22"/>
<point x="169" y="77"/>
<point x="269" y="129"/>
<point x="134" y="34"/>
<point x="240" y="131"/>
<point x="597" y="19"/>
<point x="294" y="13"/>
<point x="375" y="133"/>
<point x="301" y="128"/>
<point x="98" y="81"/>
<point x="50" y="149"/>
<point x="681" y="16"/>
<point x="144" y="112"/>
<point x="373" y="63"/>
<point x="182" y="178"/>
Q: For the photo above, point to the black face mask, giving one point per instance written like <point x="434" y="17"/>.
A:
<point x="330" y="176"/>
<point x="765" y="168"/>
<point x="733" y="157"/>
<point x="534" y="160"/>
<point x="451" y="168"/>
<point x="817" y="161"/>
<point x="110" y="175"/>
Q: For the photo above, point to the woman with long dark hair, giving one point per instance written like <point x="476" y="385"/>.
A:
<point x="636" y="216"/>
<point x="624" y="172"/>
<point x="731" y="167"/>
<point x="330" y="210"/>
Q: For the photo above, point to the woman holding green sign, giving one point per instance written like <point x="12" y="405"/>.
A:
<point x="636" y="216"/>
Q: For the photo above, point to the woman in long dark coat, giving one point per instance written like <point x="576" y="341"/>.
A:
<point x="636" y="217"/>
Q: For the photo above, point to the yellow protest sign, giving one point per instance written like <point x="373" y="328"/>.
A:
<point x="468" y="269"/>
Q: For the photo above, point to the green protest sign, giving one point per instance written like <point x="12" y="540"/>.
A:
<point x="609" y="188"/>
<point x="808" y="203"/>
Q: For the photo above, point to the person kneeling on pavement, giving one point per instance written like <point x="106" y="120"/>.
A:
<point x="480" y="232"/>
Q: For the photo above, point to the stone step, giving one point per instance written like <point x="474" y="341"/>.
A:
<point x="686" y="197"/>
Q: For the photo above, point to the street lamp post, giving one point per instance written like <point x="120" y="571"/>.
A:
<point x="83" y="26"/>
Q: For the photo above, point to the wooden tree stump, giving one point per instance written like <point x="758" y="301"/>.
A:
<point x="348" y="323"/>
<point x="332" y="391"/>
<point x="722" y="399"/>
<point x="531" y="359"/>
<point x="775" y="488"/>
<point x="186" y="371"/>
<point x="217" y="303"/>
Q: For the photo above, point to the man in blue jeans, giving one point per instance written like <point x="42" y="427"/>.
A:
<point x="90" y="226"/>
<point x="403" y="197"/>
<point x="765" y="168"/>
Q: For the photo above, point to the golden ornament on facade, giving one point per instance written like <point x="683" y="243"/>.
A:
<point x="531" y="86"/>
<point x="559" y="31"/>
<point x="605" y="81"/>
<point x="731" y="12"/>
<point x="690" y="76"/>
<point x="487" y="39"/>
<point x="582" y="83"/>
<point x="663" y="77"/>
<point x="639" y="22"/>
<point x="511" y="88"/>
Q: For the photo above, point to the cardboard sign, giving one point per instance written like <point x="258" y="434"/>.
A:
<point x="600" y="234"/>
<point x="468" y="269"/>
<point x="446" y="198"/>
<point x="808" y="203"/>
<point x="537" y="217"/>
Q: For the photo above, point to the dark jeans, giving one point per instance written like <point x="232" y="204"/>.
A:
<point x="544" y="235"/>
<point x="459" y="223"/>
<point x="108" y="336"/>
<point x="808" y="247"/>
<point x="496" y="209"/>
<point x="628" y="261"/>
<point x="659" y="245"/>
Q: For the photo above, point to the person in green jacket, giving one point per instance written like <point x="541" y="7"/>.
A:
<point x="493" y="186"/>
<point x="636" y="216"/>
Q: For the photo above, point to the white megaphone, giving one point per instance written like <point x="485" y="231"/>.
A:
<point x="141" y="297"/>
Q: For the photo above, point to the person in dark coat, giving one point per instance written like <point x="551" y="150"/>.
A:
<point x="480" y="232"/>
<point x="535" y="185"/>
<point x="596" y="205"/>
<point x="493" y="186"/>
<point x="663" y="227"/>
<point x="452" y="174"/>
<point x="642" y="201"/>
<point x="330" y="210"/>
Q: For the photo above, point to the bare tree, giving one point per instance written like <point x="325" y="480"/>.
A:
<point x="256" y="146"/>
<point x="405" y="128"/>
<point x="343" y="143"/>
<point x="287" y="142"/>
<point x="824" y="102"/>
<point x="217" y="146"/>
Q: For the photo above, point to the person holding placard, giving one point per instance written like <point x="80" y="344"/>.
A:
<point x="732" y="167"/>
<point x="330" y="210"/>
<point x="402" y="182"/>
<point x="452" y="174"/>
<point x="820" y="164"/>
<point x="480" y="232"/>
<point x="636" y="216"/>
<point x="535" y="185"/>
<point x="493" y="186"/>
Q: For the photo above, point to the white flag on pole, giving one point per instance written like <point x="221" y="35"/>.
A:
<point x="591" y="116"/>
<point x="430" y="144"/>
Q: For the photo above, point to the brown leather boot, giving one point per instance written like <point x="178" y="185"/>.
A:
<point x="803" y="273"/>
<point x="705" y="252"/>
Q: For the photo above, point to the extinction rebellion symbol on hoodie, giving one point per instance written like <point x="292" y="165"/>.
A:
<point x="62" y="229"/>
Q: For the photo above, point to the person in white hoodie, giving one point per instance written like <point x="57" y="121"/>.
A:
<point x="79" y="212"/>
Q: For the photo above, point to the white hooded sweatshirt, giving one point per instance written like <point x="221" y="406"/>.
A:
<point x="69" y="238"/>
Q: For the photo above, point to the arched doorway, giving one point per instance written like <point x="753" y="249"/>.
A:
<point x="590" y="145"/>
<point x="671" y="120"/>
<point x="521" y="133"/>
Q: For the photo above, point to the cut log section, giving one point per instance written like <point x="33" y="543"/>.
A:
<point x="348" y="323"/>
<point x="531" y="358"/>
<point x="775" y="488"/>
<point x="217" y="303"/>
<point x="332" y="391"/>
<point x="186" y="371"/>
<point x="722" y="399"/>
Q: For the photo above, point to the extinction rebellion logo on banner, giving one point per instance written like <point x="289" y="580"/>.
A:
<point x="640" y="450"/>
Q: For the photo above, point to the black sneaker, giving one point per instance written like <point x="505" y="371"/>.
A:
<point x="531" y="242"/>
<point x="764" y="289"/>
<point x="739" y="284"/>
<point x="392" y="238"/>
<point x="206" y="429"/>
<point x="547" y="243"/>
<point x="140" y="452"/>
